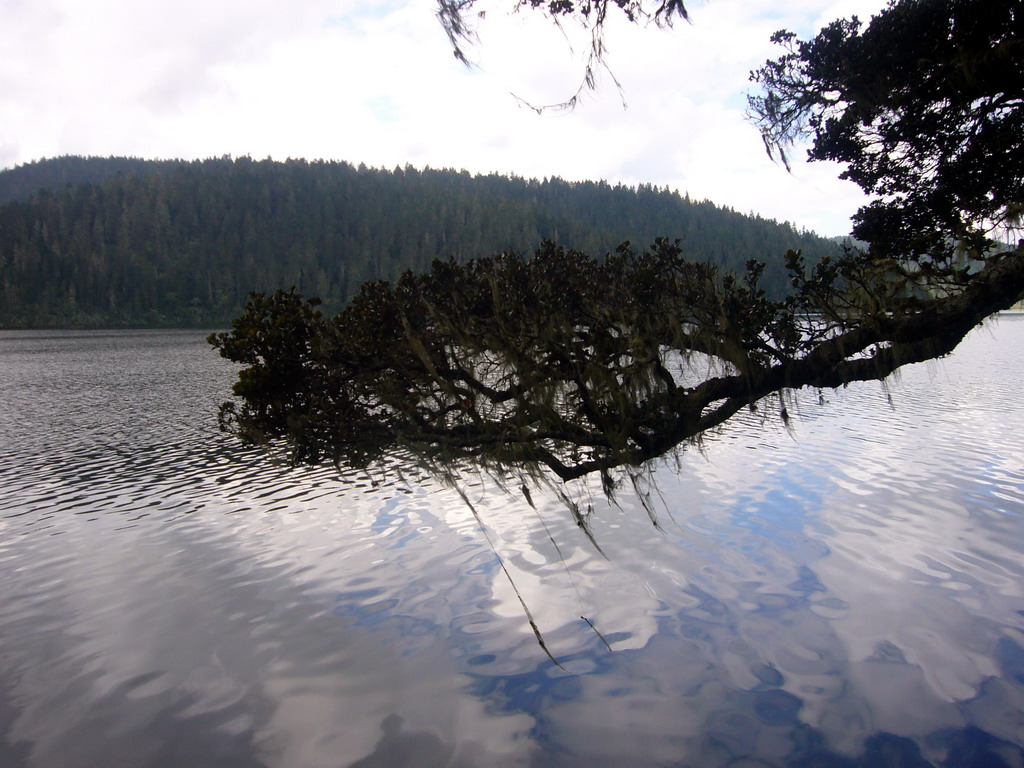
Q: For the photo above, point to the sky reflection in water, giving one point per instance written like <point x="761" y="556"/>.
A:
<point x="849" y="592"/>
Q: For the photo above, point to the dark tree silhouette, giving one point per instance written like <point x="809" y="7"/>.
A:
<point x="923" y="106"/>
<point x="575" y="364"/>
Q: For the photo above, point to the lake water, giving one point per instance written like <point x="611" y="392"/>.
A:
<point x="848" y="592"/>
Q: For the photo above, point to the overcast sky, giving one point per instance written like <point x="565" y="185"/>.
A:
<point x="376" y="82"/>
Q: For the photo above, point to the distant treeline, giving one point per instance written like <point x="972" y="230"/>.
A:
<point x="94" y="242"/>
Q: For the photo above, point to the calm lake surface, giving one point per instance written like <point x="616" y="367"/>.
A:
<point x="849" y="592"/>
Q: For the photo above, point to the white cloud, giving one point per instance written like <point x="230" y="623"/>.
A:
<point x="334" y="80"/>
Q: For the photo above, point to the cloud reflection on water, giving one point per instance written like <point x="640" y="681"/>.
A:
<point x="849" y="589"/>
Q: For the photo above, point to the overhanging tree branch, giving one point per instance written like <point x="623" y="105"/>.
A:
<point x="460" y="18"/>
<point x="571" y="364"/>
<point x="584" y="383"/>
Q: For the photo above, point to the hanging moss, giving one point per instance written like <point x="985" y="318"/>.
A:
<point x="572" y="364"/>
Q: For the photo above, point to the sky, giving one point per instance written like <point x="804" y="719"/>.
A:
<point x="376" y="83"/>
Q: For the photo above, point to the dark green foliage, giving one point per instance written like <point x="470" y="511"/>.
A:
<point x="571" y="363"/>
<point x="286" y="387"/>
<point x="57" y="174"/>
<point x="163" y="243"/>
<point x="925" y="106"/>
<point x="507" y="360"/>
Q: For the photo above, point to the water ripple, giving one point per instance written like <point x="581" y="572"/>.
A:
<point x="827" y="592"/>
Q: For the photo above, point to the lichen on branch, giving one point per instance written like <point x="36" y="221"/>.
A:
<point x="572" y="364"/>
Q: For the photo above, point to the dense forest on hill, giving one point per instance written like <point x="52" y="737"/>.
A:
<point x="22" y="181"/>
<point x="128" y="242"/>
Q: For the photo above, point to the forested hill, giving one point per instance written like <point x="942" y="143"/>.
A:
<point x="21" y="182"/>
<point x="119" y="241"/>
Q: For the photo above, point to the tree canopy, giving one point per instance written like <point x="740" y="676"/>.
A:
<point x="573" y="364"/>
<point x="923" y="106"/>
